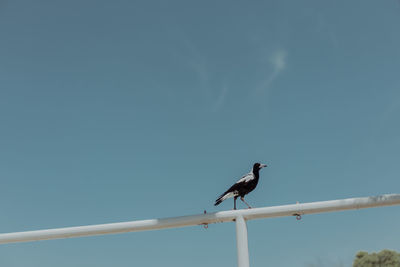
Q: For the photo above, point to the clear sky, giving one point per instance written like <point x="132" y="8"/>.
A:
<point x="124" y="110"/>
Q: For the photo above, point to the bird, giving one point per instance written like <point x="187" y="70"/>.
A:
<point x="243" y="186"/>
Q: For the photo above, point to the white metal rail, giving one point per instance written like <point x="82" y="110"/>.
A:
<point x="240" y="216"/>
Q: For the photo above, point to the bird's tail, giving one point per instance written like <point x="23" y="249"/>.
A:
<point x="223" y="197"/>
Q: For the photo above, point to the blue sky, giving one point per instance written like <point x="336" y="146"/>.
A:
<point x="147" y="109"/>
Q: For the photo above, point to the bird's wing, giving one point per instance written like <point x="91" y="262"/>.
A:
<point x="234" y="189"/>
<point x="246" y="178"/>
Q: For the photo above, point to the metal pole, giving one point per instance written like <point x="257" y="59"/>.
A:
<point x="242" y="242"/>
<point x="202" y="219"/>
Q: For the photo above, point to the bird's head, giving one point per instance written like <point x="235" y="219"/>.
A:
<point x="258" y="166"/>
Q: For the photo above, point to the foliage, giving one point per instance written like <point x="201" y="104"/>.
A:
<point x="385" y="258"/>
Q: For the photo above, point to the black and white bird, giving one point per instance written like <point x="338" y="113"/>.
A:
<point x="242" y="187"/>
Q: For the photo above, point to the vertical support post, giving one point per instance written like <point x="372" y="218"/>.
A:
<point x="241" y="242"/>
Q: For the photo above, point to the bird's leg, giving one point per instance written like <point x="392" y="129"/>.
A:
<point x="234" y="202"/>
<point x="242" y="199"/>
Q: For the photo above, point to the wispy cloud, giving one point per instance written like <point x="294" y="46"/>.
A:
<point x="221" y="98"/>
<point x="196" y="61"/>
<point x="214" y="97"/>
<point x="277" y="61"/>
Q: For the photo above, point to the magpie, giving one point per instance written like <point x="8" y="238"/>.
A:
<point x="242" y="187"/>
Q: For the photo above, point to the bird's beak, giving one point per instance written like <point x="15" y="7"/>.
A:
<point x="263" y="165"/>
